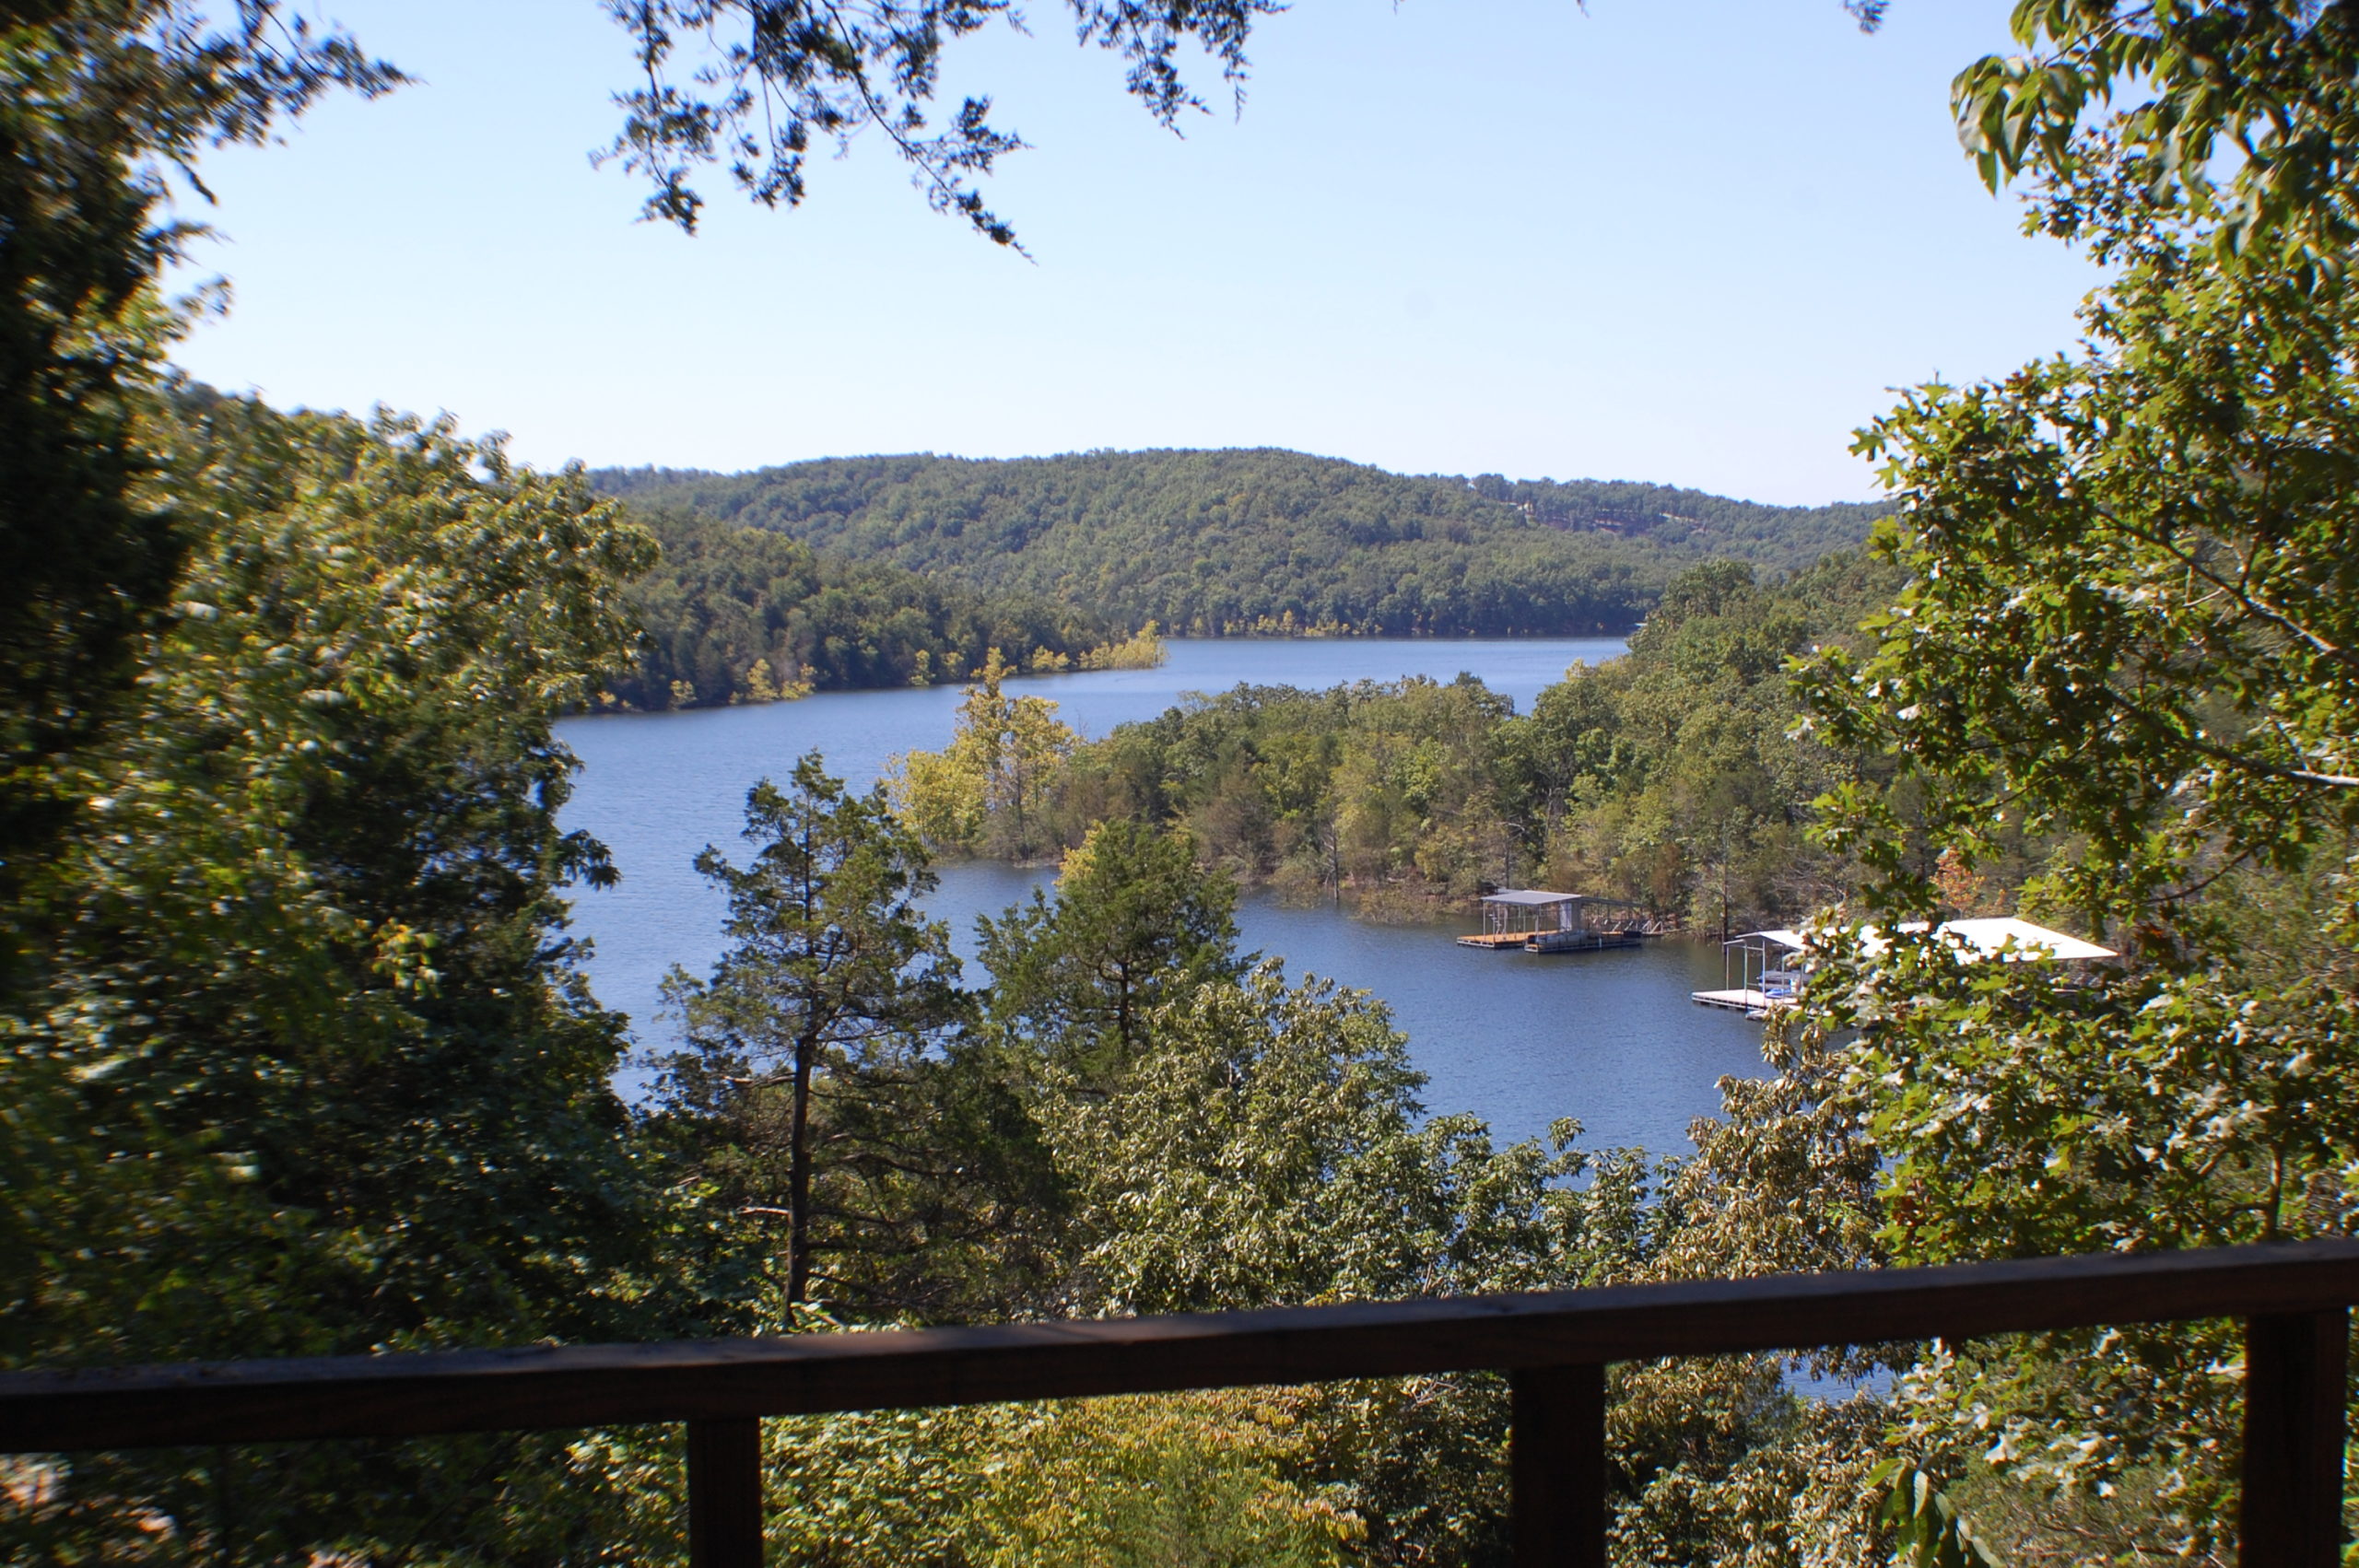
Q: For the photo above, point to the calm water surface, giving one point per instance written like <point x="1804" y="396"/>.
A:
<point x="1516" y="1039"/>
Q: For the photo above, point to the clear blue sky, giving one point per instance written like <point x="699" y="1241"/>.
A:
<point x="1693" y="241"/>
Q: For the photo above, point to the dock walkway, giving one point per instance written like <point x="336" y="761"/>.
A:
<point x="1752" y="1003"/>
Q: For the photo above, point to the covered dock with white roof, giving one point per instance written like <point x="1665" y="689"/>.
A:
<point x="1766" y="968"/>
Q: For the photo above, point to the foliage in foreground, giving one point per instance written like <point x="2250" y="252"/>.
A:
<point x="312" y="1069"/>
<point x="97" y="104"/>
<point x="2126" y="636"/>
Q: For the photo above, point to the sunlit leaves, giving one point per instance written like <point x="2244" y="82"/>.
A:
<point x="317" y="1069"/>
<point x="2242" y="115"/>
<point x="988" y="791"/>
<point x="2131" y="618"/>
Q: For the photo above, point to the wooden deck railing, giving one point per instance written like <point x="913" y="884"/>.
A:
<point x="2295" y="1300"/>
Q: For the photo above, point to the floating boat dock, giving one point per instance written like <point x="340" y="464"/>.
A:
<point x="1532" y="920"/>
<point x="1759" y="974"/>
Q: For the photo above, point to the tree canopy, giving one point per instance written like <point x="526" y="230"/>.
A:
<point x="313" y="1068"/>
<point x="2124" y="646"/>
<point x="777" y="77"/>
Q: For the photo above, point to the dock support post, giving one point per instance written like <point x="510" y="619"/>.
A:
<point x="1556" y="1459"/>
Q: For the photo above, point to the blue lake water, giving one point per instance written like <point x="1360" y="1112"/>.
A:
<point x="1517" y="1039"/>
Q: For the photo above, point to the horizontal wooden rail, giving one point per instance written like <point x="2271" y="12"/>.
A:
<point x="418" y="1395"/>
<point x="2295" y="1300"/>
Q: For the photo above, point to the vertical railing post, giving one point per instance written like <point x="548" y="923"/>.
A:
<point x="1557" y="1466"/>
<point x="725" y="1494"/>
<point x="2293" y="1435"/>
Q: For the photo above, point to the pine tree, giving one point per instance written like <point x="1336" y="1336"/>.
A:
<point x="809" y="1061"/>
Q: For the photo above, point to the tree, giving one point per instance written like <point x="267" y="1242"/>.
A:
<point x="807" y="1046"/>
<point x="2128" y="640"/>
<point x="98" y="101"/>
<point x="2131" y="618"/>
<point x="1207" y="1480"/>
<point x="321" y="924"/>
<point x="2272" y="80"/>
<point x="990" y="791"/>
<point x="1135" y="924"/>
<point x="1270" y="1149"/>
<point x="777" y="77"/>
<point x="316" y="1070"/>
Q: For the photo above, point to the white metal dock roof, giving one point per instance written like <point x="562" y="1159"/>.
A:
<point x="1985" y="937"/>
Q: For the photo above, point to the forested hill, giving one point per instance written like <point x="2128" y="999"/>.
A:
<point x="1211" y="542"/>
<point x="1694" y="523"/>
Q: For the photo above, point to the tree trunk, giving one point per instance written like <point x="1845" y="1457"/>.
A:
<point x="1023" y="838"/>
<point x="798" y="1201"/>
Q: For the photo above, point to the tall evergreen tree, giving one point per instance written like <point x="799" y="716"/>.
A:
<point x="807" y="1049"/>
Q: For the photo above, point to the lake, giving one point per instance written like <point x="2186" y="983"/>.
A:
<point x="1517" y="1038"/>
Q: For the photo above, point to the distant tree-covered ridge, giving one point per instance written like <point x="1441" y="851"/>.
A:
<point x="730" y="613"/>
<point x="1687" y="522"/>
<point x="1261" y="542"/>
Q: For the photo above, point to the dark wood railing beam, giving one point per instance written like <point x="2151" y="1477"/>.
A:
<point x="419" y="1395"/>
